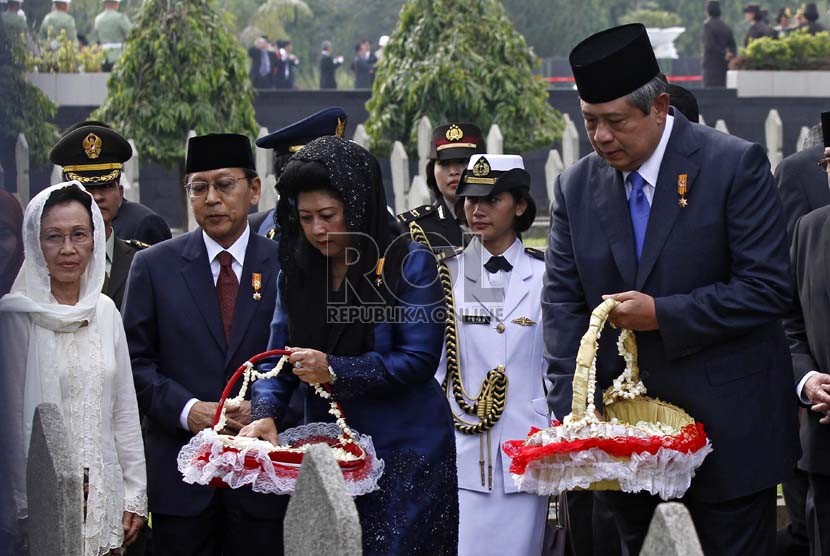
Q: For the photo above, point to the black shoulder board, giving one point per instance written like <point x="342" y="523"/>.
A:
<point x="135" y="244"/>
<point x="535" y="253"/>
<point x="415" y="214"/>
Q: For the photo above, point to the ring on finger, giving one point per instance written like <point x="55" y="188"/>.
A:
<point x="298" y="365"/>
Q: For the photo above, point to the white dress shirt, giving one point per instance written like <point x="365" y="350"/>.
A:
<point x="650" y="169"/>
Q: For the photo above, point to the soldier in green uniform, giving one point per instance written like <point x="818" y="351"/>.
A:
<point x="110" y="30"/>
<point x="56" y="21"/>
<point x="15" y="25"/>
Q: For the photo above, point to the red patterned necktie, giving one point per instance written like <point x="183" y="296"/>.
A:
<point x="227" y="286"/>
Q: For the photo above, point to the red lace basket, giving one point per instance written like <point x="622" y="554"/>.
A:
<point x="224" y="461"/>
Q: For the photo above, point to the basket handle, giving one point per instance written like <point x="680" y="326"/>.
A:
<point x="584" y="381"/>
<point x="239" y="372"/>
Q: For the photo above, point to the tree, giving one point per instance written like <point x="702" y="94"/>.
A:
<point x="477" y="68"/>
<point x="23" y="107"/>
<point x="182" y="69"/>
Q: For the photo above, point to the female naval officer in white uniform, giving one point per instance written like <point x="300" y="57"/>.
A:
<point x="496" y="358"/>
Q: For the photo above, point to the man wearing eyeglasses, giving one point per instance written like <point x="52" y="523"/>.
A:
<point x="807" y="330"/>
<point x="196" y="308"/>
<point x="94" y="154"/>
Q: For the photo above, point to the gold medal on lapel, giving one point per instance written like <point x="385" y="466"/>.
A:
<point x="523" y="321"/>
<point x="256" y="283"/>
<point x="681" y="189"/>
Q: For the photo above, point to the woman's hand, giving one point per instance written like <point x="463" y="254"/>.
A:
<point x="132" y="524"/>
<point x="265" y="428"/>
<point x="310" y="365"/>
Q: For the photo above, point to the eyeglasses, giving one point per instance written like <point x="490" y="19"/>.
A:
<point x="223" y="186"/>
<point x="78" y="237"/>
<point x="824" y="163"/>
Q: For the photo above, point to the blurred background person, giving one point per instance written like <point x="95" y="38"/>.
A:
<point x="110" y="30"/>
<point x="56" y="21"/>
<point x="286" y="62"/>
<point x="328" y="66"/>
<point x="263" y="64"/>
<point x="718" y="47"/>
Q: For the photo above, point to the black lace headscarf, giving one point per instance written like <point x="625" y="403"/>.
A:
<point x="351" y="174"/>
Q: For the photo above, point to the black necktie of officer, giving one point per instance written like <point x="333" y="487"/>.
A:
<point x="497" y="263"/>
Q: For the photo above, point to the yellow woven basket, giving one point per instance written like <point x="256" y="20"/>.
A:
<point x="640" y="443"/>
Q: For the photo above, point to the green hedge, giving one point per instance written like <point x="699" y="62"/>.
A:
<point x="796" y="51"/>
<point x="459" y="60"/>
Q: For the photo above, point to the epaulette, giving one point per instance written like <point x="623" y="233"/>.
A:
<point x="446" y="253"/>
<point x="135" y="244"/>
<point x="535" y="253"/>
<point x="415" y="214"/>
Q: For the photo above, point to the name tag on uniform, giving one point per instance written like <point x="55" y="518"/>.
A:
<point x="475" y="319"/>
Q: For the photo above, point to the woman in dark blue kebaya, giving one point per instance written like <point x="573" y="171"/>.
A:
<point x="362" y="310"/>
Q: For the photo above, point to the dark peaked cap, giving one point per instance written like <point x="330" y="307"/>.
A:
<point x="290" y="139"/>
<point x="218" y="150"/>
<point x="613" y="63"/>
<point x="92" y="153"/>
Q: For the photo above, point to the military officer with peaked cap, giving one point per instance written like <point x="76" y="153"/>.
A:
<point x="682" y="225"/>
<point x="451" y="147"/>
<point x="94" y="154"/>
<point x="288" y="140"/>
<point x="497" y="355"/>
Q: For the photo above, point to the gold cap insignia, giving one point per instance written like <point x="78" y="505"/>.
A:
<point x="341" y="128"/>
<point x="454" y="133"/>
<point x="523" y="321"/>
<point x="481" y="167"/>
<point x="92" y="146"/>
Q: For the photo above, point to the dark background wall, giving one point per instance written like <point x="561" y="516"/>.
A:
<point x="160" y="189"/>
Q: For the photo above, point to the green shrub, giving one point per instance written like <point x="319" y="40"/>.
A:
<point x="23" y="107"/>
<point x="797" y="51"/>
<point x="459" y="60"/>
<point x="182" y="69"/>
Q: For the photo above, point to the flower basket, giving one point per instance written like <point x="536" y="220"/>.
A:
<point x="641" y="444"/>
<point x="224" y="461"/>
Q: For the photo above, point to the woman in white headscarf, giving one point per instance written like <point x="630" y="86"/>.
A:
<point x="68" y="342"/>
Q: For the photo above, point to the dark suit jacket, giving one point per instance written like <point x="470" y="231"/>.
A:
<point x="718" y="270"/>
<point x="362" y="73"/>
<point x="261" y="81"/>
<point x="122" y="258"/>
<point x="136" y="221"/>
<point x="327" y="69"/>
<point x="284" y="74"/>
<point x="717" y="39"/>
<point x="802" y="184"/>
<point x="809" y="328"/>
<point x="178" y="351"/>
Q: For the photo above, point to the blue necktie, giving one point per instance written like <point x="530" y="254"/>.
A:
<point x="639" y="208"/>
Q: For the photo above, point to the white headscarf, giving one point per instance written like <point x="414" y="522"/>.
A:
<point x="48" y="351"/>
<point x="32" y="292"/>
